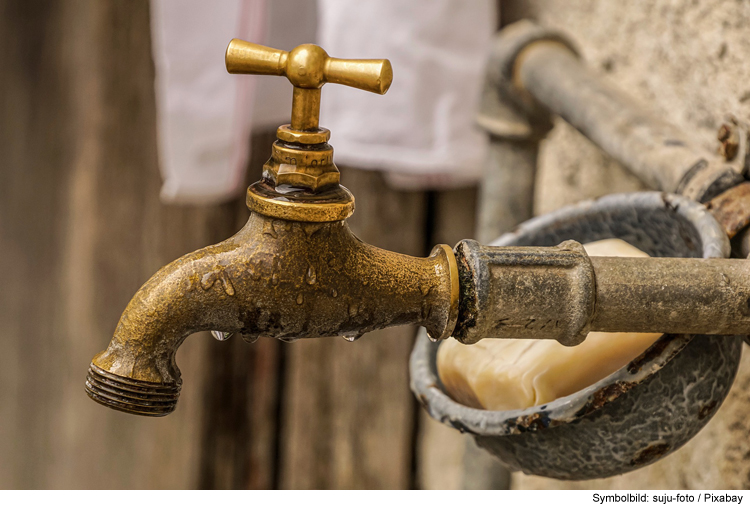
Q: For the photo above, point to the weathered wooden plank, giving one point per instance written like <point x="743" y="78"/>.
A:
<point x="81" y="228"/>
<point x="440" y="449"/>
<point x="348" y="414"/>
<point x="240" y="429"/>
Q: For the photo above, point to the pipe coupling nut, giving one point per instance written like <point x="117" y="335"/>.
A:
<point x="525" y="292"/>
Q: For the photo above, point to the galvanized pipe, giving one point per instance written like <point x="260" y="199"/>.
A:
<point x="672" y="295"/>
<point x="659" y="153"/>
<point x="561" y="293"/>
<point x="506" y="199"/>
<point x="534" y="72"/>
<point x="507" y="192"/>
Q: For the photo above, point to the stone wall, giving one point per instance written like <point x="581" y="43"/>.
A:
<point x="686" y="60"/>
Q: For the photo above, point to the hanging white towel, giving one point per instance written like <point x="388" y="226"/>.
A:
<point x="421" y="133"/>
<point x="203" y="114"/>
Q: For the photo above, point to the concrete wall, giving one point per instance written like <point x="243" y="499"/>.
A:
<point x="686" y="59"/>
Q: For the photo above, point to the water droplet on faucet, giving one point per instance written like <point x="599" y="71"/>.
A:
<point x="334" y="293"/>
<point x="352" y="336"/>
<point x="249" y="338"/>
<point x="221" y="335"/>
<point x="208" y="280"/>
<point x="311" y="277"/>
<point x="311" y="228"/>
<point x="227" y="284"/>
<point x="268" y="229"/>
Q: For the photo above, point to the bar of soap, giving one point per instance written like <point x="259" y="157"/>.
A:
<point x="502" y="374"/>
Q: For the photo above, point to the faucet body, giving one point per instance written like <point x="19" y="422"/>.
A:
<point x="277" y="278"/>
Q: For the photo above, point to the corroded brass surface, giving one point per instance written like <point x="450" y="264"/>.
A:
<point x="275" y="278"/>
<point x="302" y="157"/>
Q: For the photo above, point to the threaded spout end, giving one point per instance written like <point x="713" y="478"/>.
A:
<point x="131" y="395"/>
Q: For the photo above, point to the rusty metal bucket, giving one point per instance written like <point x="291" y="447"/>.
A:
<point x="635" y="416"/>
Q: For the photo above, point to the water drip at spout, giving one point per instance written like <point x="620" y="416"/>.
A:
<point x="248" y="338"/>
<point x="221" y="335"/>
<point x="354" y="335"/>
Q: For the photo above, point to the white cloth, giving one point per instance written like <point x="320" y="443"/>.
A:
<point x="203" y="113"/>
<point x="422" y="132"/>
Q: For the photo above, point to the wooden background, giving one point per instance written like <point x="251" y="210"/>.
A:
<point x="81" y="228"/>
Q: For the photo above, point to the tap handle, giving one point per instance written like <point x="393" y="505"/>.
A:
<point x="249" y="58"/>
<point x="308" y="67"/>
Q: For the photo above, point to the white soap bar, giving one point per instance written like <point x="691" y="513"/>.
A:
<point x="500" y="374"/>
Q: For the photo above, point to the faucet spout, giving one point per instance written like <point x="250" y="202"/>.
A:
<point x="277" y="278"/>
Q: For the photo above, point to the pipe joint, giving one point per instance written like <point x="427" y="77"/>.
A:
<point x="525" y="292"/>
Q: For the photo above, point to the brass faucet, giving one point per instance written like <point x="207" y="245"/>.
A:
<point x="294" y="271"/>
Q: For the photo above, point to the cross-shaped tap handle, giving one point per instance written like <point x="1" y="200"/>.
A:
<point x="308" y="67"/>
